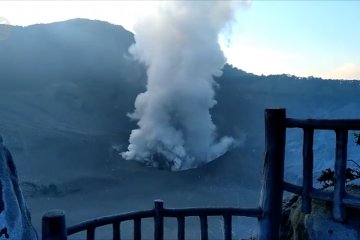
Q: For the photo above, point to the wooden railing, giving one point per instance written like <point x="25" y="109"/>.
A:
<point x="158" y="213"/>
<point x="339" y="197"/>
<point x="269" y="212"/>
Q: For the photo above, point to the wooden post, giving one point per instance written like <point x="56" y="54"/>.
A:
<point x="227" y="227"/>
<point x="204" y="227"/>
<point x="137" y="229"/>
<point x="273" y="174"/>
<point x="340" y="174"/>
<point x="116" y="231"/>
<point x="308" y="165"/>
<point x="90" y="233"/>
<point x="54" y="226"/>
<point x="181" y="228"/>
<point x="158" y="220"/>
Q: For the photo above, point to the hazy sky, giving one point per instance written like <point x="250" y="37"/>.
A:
<point x="319" y="38"/>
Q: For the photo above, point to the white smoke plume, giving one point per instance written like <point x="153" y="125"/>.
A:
<point x="179" y="46"/>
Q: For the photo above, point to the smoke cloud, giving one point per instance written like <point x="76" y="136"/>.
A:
<point x="179" y="46"/>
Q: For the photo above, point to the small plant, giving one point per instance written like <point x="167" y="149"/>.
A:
<point x="327" y="177"/>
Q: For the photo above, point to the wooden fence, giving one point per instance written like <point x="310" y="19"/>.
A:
<point x="269" y="212"/>
<point x="339" y="197"/>
<point x="158" y="213"/>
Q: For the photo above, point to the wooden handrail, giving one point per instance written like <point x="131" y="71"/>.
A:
<point x="324" y="124"/>
<point x="159" y="213"/>
<point x="106" y="220"/>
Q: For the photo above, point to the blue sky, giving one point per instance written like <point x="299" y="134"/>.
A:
<point x="299" y="37"/>
<point x="303" y="38"/>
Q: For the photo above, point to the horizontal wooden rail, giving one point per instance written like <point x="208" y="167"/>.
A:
<point x="351" y="200"/>
<point x="159" y="213"/>
<point x="102" y="221"/>
<point x="324" y="195"/>
<point x="314" y="193"/>
<point x="323" y="124"/>
<point x="193" y="212"/>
